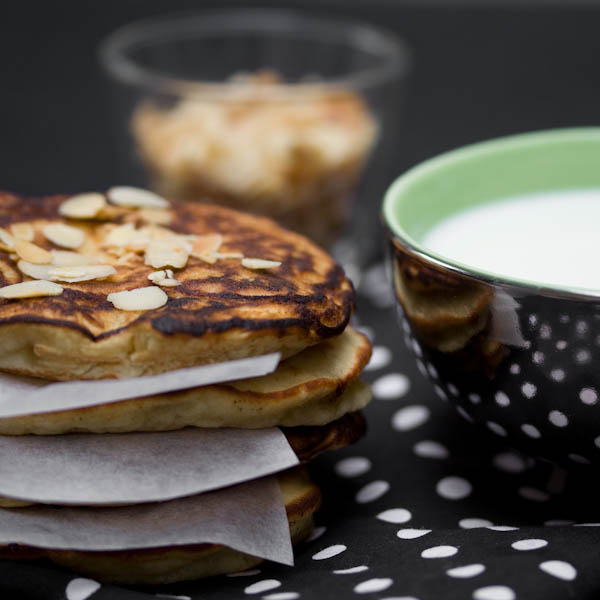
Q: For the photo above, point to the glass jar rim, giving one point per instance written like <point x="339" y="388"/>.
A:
<point x="394" y="54"/>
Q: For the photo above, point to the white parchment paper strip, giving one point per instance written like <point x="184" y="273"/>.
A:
<point x="96" y="469"/>
<point x="27" y="396"/>
<point x="249" y="517"/>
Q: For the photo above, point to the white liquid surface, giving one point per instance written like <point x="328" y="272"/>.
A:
<point x="550" y="239"/>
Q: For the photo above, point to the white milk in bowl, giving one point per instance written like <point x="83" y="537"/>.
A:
<point x="550" y="239"/>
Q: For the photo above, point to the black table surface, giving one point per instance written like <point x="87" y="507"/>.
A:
<point x="424" y="507"/>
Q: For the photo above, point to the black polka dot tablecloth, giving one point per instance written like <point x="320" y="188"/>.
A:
<point x="426" y="507"/>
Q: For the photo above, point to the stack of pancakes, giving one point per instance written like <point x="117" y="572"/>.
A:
<point x="202" y="284"/>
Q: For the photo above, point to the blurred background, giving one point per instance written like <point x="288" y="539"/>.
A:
<point x="481" y="69"/>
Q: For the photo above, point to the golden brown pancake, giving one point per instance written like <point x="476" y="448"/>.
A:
<point x="220" y="311"/>
<point x="313" y="387"/>
<point x="178" y="563"/>
<point x="306" y="442"/>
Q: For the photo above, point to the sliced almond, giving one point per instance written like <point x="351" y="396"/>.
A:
<point x="31" y="289"/>
<point x="206" y="244"/>
<point x="145" y="298"/>
<point x="260" y="263"/>
<point x="7" y="241"/>
<point x="127" y="237"/>
<point x="166" y="253"/>
<point x="169" y="273"/>
<point x="157" y="275"/>
<point x="211" y="259"/>
<point x="34" y="271"/>
<point x="222" y="255"/>
<point x="152" y="216"/>
<point x="135" y="197"/>
<point x="80" y="273"/>
<point x="32" y="253"/>
<point x="66" y="258"/>
<point x="127" y="258"/>
<point x="167" y="282"/>
<point x="23" y="231"/>
<point x="82" y="206"/>
<point x="64" y="235"/>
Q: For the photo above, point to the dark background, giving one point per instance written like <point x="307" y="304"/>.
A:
<point x="482" y="70"/>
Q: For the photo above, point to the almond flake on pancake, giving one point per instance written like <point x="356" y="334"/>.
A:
<point x="206" y="244"/>
<point x="7" y="241"/>
<point x="225" y="255"/>
<point x="152" y="216"/>
<point x="34" y="271"/>
<point x="127" y="237"/>
<point x="146" y="298"/>
<point x="260" y="263"/>
<point x="75" y="274"/>
<point x="82" y="206"/>
<point x="64" y="235"/>
<point x="170" y="252"/>
<point x="23" y="231"/>
<point x="135" y="197"/>
<point x="157" y="276"/>
<point x="66" y="258"/>
<point x="32" y="253"/>
<point x="30" y="289"/>
<point x="167" y="282"/>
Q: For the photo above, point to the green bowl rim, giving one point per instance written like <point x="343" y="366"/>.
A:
<point x="462" y="153"/>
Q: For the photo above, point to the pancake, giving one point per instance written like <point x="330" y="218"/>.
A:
<point x="313" y="387"/>
<point x="218" y="310"/>
<point x="306" y="442"/>
<point x="179" y="563"/>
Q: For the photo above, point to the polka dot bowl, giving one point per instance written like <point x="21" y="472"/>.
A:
<point x="517" y="358"/>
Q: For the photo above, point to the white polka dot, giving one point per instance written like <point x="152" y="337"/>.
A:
<point x="410" y="417"/>
<point x="494" y="592"/>
<point x="531" y="431"/>
<point x="529" y="544"/>
<point x="502" y="528"/>
<point x="439" y="552"/>
<point x="453" y="488"/>
<point x="577" y="458"/>
<point x="421" y="367"/>
<point x="581" y="327"/>
<point x="509" y="462"/>
<point x="496" y="428"/>
<point x="351" y="570"/>
<point x="558" y="418"/>
<point x="399" y="598"/>
<point x="391" y="386"/>
<point x="417" y="349"/>
<point x="248" y="573"/>
<point x="373" y="585"/>
<point x="528" y="389"/>
<point x="372" y="491"/>
<point x="316" y="533"/>
<point x="533" y="494"/>
<point x="264" y="585"/>
<point x="80" y="588"/>
<point x="533" y="320"/>
<point x="430" y="449"/>
<point x="583" y="357"/>
<point x="395" y="515"/>
<point x="329" y="552"/>
<point x="475" y="398"/>
<point x="588" y="396"/>
<point x="464" y="414"/>
<point x="453" y="389"/>
<point x="545" y="331"/>
<point x="432" y="371"/>
<point x="586" y="525"/>
<point x="412" y="534"/>
<point x="559" y="568"/>
<point x="557" y="375"/>
<point x="440" y="392"/>
<point x="561" y="345"/>
<point x="466" y="571"/>
<point x="538" y="357"/>
<point x="474" y="523"/>
<point x="173" y="597"/>
<point x="597" y="442"/>
<point x="380" y="358"/>
<point x="282" y="596"/>
<point x="515" y="369"/>
<point x="558" y="522"/>
<point x="353" y="466"/>
<point x="501" y="398"/>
